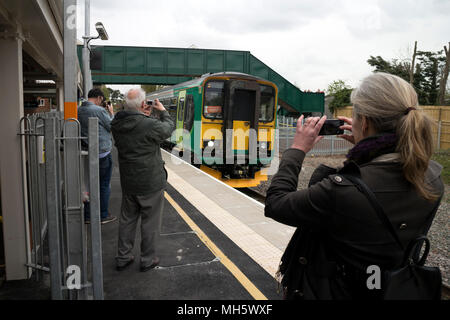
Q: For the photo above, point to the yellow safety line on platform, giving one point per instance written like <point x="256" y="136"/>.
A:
<point x="246" y="283"/>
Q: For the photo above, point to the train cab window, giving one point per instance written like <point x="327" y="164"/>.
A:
<point x="214" y="99"/>
<point x="267" y="107"/>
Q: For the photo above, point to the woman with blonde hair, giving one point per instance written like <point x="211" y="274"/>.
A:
<point x="339" y="235"/>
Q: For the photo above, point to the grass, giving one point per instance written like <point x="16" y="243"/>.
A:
<point x="444" y="159"/>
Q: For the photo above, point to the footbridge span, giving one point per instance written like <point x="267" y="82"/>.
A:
<point x="169" y="66"/>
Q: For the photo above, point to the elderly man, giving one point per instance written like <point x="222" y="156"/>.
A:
<point x="92" y="108"/>
<point x="142" y="176"/>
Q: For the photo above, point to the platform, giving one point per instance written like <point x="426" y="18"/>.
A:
<point x="238" y="216"/>
<point x="215" y="243"/>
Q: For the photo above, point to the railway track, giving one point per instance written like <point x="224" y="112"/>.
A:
<point x="253" y="194"/>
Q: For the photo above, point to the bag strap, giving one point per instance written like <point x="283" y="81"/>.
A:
<point x="362" y="187"/>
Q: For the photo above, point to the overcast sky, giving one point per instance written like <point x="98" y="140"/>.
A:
<point x="309" y="42"/>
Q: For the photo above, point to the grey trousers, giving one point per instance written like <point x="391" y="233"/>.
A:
<point x="149" y="208"/>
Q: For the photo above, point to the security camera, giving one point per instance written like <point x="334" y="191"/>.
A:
<point x="101" y="31"/>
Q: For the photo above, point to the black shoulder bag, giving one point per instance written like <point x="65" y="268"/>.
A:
<point x="412" y="280"/>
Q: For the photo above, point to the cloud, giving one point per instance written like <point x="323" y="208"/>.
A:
<point x="310" y="43"/>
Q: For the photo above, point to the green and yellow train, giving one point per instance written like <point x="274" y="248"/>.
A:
<point x="225" y="124"/>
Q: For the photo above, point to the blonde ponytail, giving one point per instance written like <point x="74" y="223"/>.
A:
<point x="391" y="104"/>
<point x="415" y="146"/>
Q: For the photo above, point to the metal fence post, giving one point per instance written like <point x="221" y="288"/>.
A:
<point x="73" y="209"/>
<point x="332" y="145"/>
<point x="52" y="209"/>
<point x="94" y="201"/>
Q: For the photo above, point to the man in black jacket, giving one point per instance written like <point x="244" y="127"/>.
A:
<point x="142" y="176"/>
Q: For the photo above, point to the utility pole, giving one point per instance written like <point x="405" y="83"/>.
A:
<point x="411" y="71"/>
<point x="443" y="84"/>
<point x="72" y="210"/>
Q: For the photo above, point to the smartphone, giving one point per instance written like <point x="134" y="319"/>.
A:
<point x="331" y="127"/>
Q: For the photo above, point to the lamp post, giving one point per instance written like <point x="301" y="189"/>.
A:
<point x="87" y="80"/>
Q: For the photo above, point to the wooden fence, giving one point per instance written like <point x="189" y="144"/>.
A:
<point x="441" y="127"/>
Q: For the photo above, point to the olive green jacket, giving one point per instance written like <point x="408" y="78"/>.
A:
<point x="137" y="138"/>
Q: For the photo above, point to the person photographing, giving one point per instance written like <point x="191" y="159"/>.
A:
<point x="142" y="176"/>
<point x="339" y="234"/>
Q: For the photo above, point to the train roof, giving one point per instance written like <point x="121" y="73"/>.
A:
<point x="204" y="77"/>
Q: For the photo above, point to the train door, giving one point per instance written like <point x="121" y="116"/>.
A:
<point x="180" y="115"/>
<point x="242" y="115"/>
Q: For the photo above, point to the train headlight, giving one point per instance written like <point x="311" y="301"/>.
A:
<point x="211" y="143"/>
<point x="263" y="145"/>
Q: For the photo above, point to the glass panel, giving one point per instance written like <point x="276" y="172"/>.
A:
<point x="267" y="108"/>
<point x="181" y="111"/>
<point x="214" y="99"/>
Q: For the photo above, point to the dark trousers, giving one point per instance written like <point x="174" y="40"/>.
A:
<point x="105" y="172"/>
<point x="149" y="208"/>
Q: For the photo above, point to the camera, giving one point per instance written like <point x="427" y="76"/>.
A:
<point x="149" y="102"/>
<point x="331" y="127"/>
<point x="101" y="31"/>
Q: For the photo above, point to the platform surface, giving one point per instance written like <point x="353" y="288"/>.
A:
<point x="215" y="243"/>
<point x="240" y="217"/>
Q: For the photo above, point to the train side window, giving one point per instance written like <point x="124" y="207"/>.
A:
<point x="214" y="99"/>
<point x="181" y="109"/>
<point x="189" y="114"/>
<point x="267" y="106"/>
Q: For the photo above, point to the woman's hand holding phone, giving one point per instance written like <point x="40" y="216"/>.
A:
<point x="347" y="126"/>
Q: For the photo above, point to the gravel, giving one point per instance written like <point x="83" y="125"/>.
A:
<point x="439" y="233"/>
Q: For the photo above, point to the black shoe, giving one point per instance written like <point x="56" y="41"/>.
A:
<point x="109" y="219"/>
<point x="155" y="262"/>
<point x="126" y="265"/>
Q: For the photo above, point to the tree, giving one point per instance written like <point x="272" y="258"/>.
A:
<point x="341" y="95"/>
<point x="151" y="87"/>
<point x="428" y="72"/>
<point x="116" y="97"/>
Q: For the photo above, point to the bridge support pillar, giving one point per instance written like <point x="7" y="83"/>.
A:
<point x="12" y="182"/>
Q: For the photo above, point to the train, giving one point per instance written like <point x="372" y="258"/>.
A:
<point x="225" y="125"/>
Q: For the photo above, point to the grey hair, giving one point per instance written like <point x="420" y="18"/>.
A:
<point x="385" y="99"/>
<point x="134" y="103"/>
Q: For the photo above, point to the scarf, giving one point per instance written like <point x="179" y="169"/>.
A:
<point x="372" y="147"/>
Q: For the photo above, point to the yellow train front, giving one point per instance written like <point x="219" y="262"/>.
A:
<point x="225" y="125"/>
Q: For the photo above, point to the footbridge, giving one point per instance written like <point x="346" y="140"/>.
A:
<point x="169" y="66"/>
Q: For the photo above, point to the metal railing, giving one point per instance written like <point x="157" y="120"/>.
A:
<point x="55" y="183"/>
<point x="329" y="145"/>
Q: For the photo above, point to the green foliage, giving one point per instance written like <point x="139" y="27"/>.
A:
<point x="341" y="95"/>
<point x="427" y="73"/>
<point x="151" y="87"/>
<point x="444" y="159"/>
<point x="113" y="95"/>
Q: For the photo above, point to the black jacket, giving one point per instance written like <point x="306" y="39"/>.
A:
<point x="137" y="138"/>
<point x="339" y="234"/>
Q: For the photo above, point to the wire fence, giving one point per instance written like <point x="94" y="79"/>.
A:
<point x="329" y="145"/>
